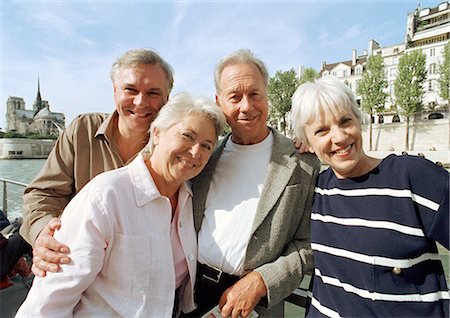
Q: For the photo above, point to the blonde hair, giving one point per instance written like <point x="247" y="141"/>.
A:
<point x="242" y="56"/>
<point x="136" y="57"/>
<point x="182" y="105"/>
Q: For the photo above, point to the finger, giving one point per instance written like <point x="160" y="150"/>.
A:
<point x="225" y="309"/>
<point x="54" y="224"/>
<point x="236" y="313"/>
<point x="37" y="272"/>
<point x="50" y="256"/>
<point x="45" y="240"/>
<point x="42" y="265"/>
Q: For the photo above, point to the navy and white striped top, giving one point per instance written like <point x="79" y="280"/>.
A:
<point x="373" y="239"/>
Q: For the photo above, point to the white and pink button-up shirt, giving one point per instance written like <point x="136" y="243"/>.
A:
<point x="118" y="229"/>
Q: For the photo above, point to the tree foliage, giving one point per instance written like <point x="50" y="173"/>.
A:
<point x="280" y="90"/>
<point x="408" y="86"/>
<point x="444" y="81"/>
<point x="309" y="75"/>
<point x="444" y="74"/>
<point x="372" y="89"/>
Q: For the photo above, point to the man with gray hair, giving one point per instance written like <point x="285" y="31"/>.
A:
<point x="252" y="202"/>
<point x="92" y="144"/>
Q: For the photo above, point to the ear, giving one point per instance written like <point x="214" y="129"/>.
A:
<point x="155" y="135"/>
<point x="217" y="101"/>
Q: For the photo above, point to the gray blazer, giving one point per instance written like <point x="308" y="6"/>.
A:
<point x="279" y="247"/>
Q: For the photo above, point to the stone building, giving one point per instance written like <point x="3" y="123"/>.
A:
<point x="427" y="29"/>
<point x="40" y="120"/>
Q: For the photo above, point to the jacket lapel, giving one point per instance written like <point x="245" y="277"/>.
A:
<point x="201" y="184"/>
<point x="281" y="166"/>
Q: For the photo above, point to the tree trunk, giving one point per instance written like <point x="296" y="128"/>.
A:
<point x="370" y="131"/>
<point x="284" y="124"/>
<point x="407" y="134"/>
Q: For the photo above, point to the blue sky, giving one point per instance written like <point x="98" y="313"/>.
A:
<point x="72" y="44"/>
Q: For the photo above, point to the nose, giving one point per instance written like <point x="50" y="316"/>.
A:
<point x="339" y="135"/>
<point x="195" y="150"/>
<point x="140" y="100"/>
<point x="245" y="104"/>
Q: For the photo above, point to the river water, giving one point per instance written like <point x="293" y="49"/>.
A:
<point x="22" y="170"/>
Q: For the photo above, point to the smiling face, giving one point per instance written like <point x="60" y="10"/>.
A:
<point x="139" y="93"/>
<point x="243" y="99"/>
<point x="182" y="151"/>
<point x="337" y="141"/>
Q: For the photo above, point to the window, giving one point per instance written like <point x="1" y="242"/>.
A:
<point x="432" y="52"/>
<point x="432" y="69"/>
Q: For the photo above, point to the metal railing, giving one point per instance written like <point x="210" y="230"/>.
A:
<point x="5" y="192"/>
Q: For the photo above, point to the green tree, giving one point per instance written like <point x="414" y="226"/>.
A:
<point x="372" y="89"/>
<point x="444" y="81"/>
<point x="408" y="86"/>
<point x="280" y="90"/>
<point x="309" y="75"/>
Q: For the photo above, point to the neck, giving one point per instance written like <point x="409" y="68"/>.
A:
<point x="249" y="140"/>
<point x="129" y="145"/>
<point x="166" y="188"/>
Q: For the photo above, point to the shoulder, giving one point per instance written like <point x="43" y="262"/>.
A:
<point x="411" y="165"/>
<point x="89" y="120"/>
<point x="285" y="146"/>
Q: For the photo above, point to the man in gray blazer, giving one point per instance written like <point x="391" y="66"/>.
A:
<point x="251" y="203"/>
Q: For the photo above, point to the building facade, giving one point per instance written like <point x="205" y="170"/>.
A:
<point x="427" y="29"/>
<point x="40" y="120"/>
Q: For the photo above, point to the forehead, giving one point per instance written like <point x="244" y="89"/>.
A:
<point x="322" y="115"/>
<point x="196" y="122"/>
<point x="238" y="77"/>
<point x="152" y="72"/>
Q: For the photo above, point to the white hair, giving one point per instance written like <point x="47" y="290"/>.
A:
<point x="325" y="95"/>
<point x="182" y="105"/>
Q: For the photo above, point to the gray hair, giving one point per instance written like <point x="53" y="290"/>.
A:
<point x="242" y="56"/>
<point x="325" y="95"/>
<point x="182" y="105"/>
<point x="133" y="58"/>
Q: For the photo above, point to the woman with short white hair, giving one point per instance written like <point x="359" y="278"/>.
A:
<point x="374" y="222"/>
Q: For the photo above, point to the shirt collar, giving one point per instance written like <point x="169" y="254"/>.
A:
<point x="106" y="128"/>
<point x="145" y="187"/>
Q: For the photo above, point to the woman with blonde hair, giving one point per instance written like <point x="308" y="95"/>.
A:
<point x="134" y="249"/>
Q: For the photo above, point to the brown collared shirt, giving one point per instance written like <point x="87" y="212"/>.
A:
<point x="85" y="149"/>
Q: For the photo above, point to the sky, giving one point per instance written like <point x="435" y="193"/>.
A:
<point x="71" y="45"/>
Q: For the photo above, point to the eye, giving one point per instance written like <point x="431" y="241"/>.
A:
<point x="207" y="146"/>
<point x="154" y="93"/>
<point x="320" y="132"/>
<point x="234" y="98"/>
<point x="187" y="136"/>
<point x="346" y="120"/>
<point x="130" y="90"/>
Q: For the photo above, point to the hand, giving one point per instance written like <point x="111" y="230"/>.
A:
<point x="301" y="146"/>
<point x="240" y="299"/>
<point x="48" y="253"/>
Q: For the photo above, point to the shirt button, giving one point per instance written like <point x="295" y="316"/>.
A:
<point x="191" y="257"/>
<point x="397" y="270"/>
<point x="179" y="224"/>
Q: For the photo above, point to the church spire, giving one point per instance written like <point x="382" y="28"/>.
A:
<point x="37" y="105"/>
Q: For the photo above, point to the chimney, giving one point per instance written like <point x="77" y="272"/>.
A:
<point x="353" y="57"/>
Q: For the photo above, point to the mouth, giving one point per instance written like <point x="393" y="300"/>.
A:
<point x="186" y="163"/>
<point x="247" y="118"/>
<point x="140" y="115"/>
<point x="343" y="151"/>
